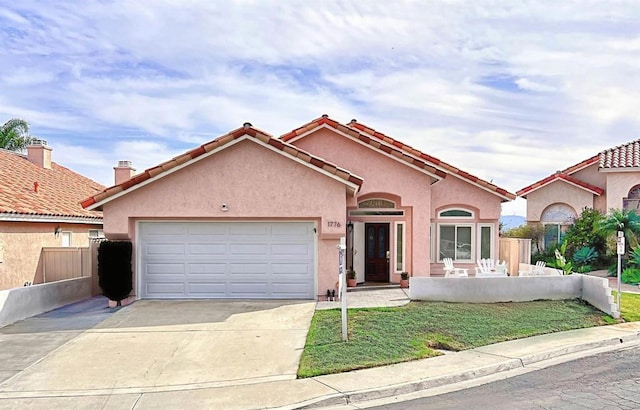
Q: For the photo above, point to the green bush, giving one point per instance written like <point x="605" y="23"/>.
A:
<point x="585" y="255"/>
<point x="114" y="269"/>
<point x="584" y="269"/>
<point x="631" y="276"/>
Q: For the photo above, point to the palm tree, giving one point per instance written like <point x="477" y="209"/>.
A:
<point x="14" y="135"/>
<point x="622" y="220"/>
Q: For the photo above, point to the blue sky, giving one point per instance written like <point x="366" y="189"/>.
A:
<point x="508" y="91"/>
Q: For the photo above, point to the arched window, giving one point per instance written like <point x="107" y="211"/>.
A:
<point x="455" y="213"/>
<point x="632" y="201"/>
<point x="556" y="220"/>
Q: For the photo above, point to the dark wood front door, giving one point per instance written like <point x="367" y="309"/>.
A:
<point x="376" y="252"/>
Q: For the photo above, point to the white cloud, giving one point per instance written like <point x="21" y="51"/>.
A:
<point x="509" y="91"/>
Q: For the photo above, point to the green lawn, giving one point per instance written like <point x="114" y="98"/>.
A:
<point x="630" y="306"/>
<point x="381" y="336"/>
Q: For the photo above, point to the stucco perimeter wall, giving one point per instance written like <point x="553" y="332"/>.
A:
<point x="22" y="243"/>
<point x="21" y="303"/>
<point x="618" y="186"/>
<point x="514" y="289"/>
<point x="557" y="192"/>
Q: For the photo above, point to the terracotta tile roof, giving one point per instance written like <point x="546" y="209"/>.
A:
<point x="398" y="149"/>
<point x="623" y="156"/>
<point x="581" y="165"/>
<point x="560" y="176"/>
<point x="58" y="194"/>
<point x="246" y="130"/>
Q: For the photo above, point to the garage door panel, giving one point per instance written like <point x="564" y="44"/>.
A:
<point x="291" y="249"/>
<point x="206" y="229"/>
<point x="248" y="229"/>
<point x="238" y="249"/>
<point x="197" y="289"/>
<point x="165" y="268"/>
<point x="165" y="249"/>
<point x="284" y="290"/>
<point x="207" y="268"/>
<point x="300" y="270"/>
<point x="207" y="249"/>
<point x="227" y="260"/>
<point x="165" y="289"/>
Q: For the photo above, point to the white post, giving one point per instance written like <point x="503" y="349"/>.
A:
<point x="342" y="288"/>
<point x="620" y="249"/>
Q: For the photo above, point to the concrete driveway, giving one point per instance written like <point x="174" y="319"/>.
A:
<point x="153" y="346"/>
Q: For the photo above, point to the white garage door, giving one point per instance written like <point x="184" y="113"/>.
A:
<point x="254" y="260"/>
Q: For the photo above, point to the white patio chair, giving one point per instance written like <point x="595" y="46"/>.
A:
<point x="484" y="266"/>
<point x="451" y="271"/>
<point x="538" y="270"/>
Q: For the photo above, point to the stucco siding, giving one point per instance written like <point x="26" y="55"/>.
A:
<point x="618" y="186"/>
<point x="386" y="176"/>
<point x="22" y="243"/>
<point x="557" y="192"/>
<point x="590" y="175"/>
<point x="453" y="191"/>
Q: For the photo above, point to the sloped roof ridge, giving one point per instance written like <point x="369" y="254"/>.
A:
<point x="563" y="176"/>
<point x="429" y="158"/>
<point x="246" y="129"/>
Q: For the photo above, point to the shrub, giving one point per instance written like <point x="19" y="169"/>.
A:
<point x="631" y="276"/>
<point x="114" y="269"/>
<point x="584" y="269"/>
<point x="585" y="256"/>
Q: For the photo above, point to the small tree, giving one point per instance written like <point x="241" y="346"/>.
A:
<point x="529" y="231"/>
<point x="621" y="220"/>
<point x="14" y="135"/>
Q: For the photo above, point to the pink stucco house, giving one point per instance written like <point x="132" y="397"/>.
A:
<point x="608" y="180"/>
<point x="40" y="207"/>
<point x="249" y="215"/>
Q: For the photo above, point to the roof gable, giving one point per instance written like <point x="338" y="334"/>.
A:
<point x="353" y="182"/>
<point x="30" y="192"/>
<point x="394" y="148"/>
<point x="560" y="176"/>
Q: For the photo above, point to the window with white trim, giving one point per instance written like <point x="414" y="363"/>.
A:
<point x="462" y="241"/>
<point x="455" y="241"/>
<point x="485" y="240"/>
<point x="400" y="247"/>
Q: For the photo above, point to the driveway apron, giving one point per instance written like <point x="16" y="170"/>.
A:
<point x="160" y="345"/>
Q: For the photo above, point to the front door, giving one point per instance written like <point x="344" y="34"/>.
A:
<point x="376" y="252"/>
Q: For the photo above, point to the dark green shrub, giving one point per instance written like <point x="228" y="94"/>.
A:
<point x="631" y="276"/>
<point x="585" y="255"/>
<point x="114" y="269"/>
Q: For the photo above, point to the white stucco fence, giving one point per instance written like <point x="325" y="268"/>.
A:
<point x="591" y="289"/>
<point x="20" y="303"/>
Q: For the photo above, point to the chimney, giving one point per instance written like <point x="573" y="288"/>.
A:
<point x="39" y="153"/>
<point x="123" y="172"/>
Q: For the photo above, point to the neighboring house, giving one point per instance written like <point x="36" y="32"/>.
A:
<point x="40" y="207"/>
<point x="608" y="180"/>
<point x="248" y="215"/>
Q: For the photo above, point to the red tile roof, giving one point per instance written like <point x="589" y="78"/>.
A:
<point x="26" y="189"/>
<point x="623" y="156"/>
<point x="398" y="149"/>
<point x="560" y="176"/>
<point x="246" y="130"/>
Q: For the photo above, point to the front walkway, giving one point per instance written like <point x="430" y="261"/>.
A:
<point x="371" y="298"/>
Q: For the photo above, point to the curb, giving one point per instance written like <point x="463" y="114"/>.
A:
<point x="509" y="363"/>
